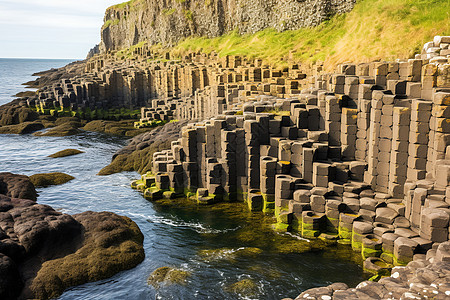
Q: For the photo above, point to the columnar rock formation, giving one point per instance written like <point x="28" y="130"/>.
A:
<point x="361" y="156"/>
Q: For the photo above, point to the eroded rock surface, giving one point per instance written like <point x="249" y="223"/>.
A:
<point x="137" y="155"/>
<point x="17" y="186"/>
<point x="43" y="251"/>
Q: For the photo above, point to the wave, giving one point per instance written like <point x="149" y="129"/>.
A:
<point x="195" y="226"/>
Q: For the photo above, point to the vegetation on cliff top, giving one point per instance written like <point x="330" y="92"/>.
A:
<point x="374" y="29"/>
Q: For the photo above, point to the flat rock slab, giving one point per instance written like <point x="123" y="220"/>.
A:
<point x="66" y="152"/>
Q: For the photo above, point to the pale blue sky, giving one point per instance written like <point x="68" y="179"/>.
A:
<point x="50" y="28"/>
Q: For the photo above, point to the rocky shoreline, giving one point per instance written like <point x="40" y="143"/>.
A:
<point x="43" y="252"/>
<point x="359" y="156"/>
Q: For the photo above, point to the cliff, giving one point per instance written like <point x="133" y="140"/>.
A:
<point x="169" y="21"/>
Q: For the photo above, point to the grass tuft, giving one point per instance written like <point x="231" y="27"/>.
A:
<point x="374" y="29"/>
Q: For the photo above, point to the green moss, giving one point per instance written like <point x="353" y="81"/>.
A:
<point x="168" y="12"/>
<point x="367" y="252"/>
<point x="188" y="15"/>
<point x="281" y="227"/>
<point x="266" y="272"/>
<point x="344" y="233"/>
<point x="356" y="245"/>
<point x="228" y="253"/>
<point x="401" y="261"/>
<point x="140" y="160"/>
<point x="111" y="243"/>
<point x="167" y="275"/>
<point x="387" y="257"/>
<point x="246" y="288"/>
<point x="66" y="152"/>
<point x="153" y="193"/>
<point x="47" y="179"/>
<point x="310" y="234"/>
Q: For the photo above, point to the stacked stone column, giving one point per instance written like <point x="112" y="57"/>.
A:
<point x="399" y="154"/>
<point x="348" y="132"/>
<point x="418" y="139"/>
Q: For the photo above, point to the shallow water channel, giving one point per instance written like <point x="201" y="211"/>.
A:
<point x="217" y="245"/>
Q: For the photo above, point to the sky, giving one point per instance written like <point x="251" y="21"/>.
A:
<point x="50" y="28"/>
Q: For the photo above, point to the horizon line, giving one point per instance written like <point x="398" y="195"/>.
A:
<point x="59" y="58"/>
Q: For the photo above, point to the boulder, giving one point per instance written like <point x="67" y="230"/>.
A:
<point x="111" y="243"/>
<point x="17" y="186"/>
<point x="46" y="251"/>
<point x="10" y="281"/>
<point x="47" y="179"/>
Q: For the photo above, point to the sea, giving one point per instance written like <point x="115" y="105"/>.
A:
<point x="176" y="236"/>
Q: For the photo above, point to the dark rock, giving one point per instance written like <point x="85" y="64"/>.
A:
<point x="17" y="186"/>
<point x="10" y="281"/>
<point x="36" y="240"/>
<point x="22" y="128"/>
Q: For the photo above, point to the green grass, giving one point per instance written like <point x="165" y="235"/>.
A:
<point x="125" y="4"/>
<point x="111" y="23"/>
<point x="374" y="29"/>
<point x="128" y="53"/>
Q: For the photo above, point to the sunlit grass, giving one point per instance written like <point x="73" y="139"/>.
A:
<point x="374" y="29"/>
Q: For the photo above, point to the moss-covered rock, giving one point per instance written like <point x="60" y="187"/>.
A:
<point x="228" y="253"/>
<point x="139" y="160"/>
<point x="245" y="287"/>
<point x="111" y="244"/>
<point x="168" y="275"/>
<point x="22" y="128"/>
<point x="66" y="152"/>
<point x="138" y="155"/>
<point x="47" y="179"/>
<point x="12" y="114"/>
<point x="122" y="128"/>
<point x="65" y="129"/>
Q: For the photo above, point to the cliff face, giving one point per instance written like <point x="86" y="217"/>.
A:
<point x="168" y="21"/>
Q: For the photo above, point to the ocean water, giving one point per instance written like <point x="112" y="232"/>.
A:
<point x="14" y="72"/>
<point x="174" y="235"/>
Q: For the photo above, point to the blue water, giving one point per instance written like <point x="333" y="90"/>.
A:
<point x="174" y="235"/>
<point x="14" y="72"/>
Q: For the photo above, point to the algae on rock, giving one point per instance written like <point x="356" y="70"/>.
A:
<point x="228" y="253"/>
<point x="66" y="152"/>
<point x="168" y="275"/>
<point x="47" y="179"/>
<point x="111" y="244"/>
<point x="246" y="287"/>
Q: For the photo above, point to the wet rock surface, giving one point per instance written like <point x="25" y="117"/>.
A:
<point x="65" y="153"/>
<point x="47" y="179"/>
<point x="168" y="275"/>
<point x="420" y="279"/>
<point x="17" y="186"/>
<point x="43" y="252"/>
<point x="123" y="128"/>
<point x="138" y="154"/>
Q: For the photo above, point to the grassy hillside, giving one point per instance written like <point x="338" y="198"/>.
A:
<point x="374" y="29"/>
